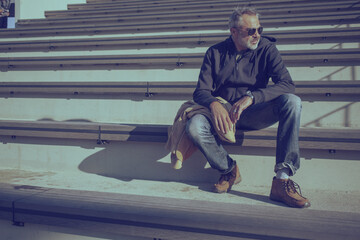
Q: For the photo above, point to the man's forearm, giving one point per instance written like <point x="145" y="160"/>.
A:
<point x="203" y="98"/>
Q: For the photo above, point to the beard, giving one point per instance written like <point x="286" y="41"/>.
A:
<point x="250" y="43"/>
<point x="253" y="46"/>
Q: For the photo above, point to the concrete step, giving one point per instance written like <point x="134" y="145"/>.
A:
<point x="129" y="161"/>
<point x="292" y="58"/>
<point x="305" y="36"/>
<point x="184" y="25"/>
<point x="172" y="210"/>
<point x="309" y="90"/>
<point x="120" y="14"/>
<point x="137" y="110"/>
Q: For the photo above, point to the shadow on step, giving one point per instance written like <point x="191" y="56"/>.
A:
<point x="129" y="161"/>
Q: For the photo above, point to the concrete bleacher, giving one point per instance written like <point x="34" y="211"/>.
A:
<point x="112" y="15"/>
<point x="86" y="105"/>
<point x="332" y="35"/>
<point x="180" y="17"/>
<point x="307" y="90"/>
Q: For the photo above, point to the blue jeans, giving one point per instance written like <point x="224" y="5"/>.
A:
<point x="285" y="109"/>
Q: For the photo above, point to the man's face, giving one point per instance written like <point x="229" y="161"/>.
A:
<point x="240" y="35"/>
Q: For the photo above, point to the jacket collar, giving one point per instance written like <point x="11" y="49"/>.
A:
<point x="232" y="48"/>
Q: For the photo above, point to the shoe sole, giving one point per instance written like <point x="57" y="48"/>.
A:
<point x="229" y="189"/>
<point x="238" y="181"/>
<point x="306" y="205"/>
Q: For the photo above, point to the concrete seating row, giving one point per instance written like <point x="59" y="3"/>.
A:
<point x="331" y="140"/>
<point x="213" y="6"/>
<point x="111" y="16"/>
<point x="308" y="90"/>
<point x="141" y="3"/>
<point x="167" y="218"/>
<point x="332" y="35"/>
<point x="311" y="58"/>
<point x="183" y="24"/>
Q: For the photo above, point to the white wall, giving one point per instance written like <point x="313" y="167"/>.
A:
<point x="29" y="9"/>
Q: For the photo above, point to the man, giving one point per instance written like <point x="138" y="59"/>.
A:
<point x="238" y="70"/>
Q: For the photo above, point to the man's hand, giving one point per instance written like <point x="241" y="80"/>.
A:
<point x="221" y="117"/>
<point x="239" y="107"/>
<point x="4" y="13"/>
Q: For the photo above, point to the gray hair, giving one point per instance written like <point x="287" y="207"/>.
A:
<point x="235" y="19"/>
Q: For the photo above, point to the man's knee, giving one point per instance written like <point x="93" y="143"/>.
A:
<point x="191" y="127"/>
<point x="196" y="126"/>
<point x="291" y="102"/>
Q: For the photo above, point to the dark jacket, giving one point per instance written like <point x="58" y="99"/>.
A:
<point x="224" y="76"/>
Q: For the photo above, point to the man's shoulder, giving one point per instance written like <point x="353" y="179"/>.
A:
<point x="266" y="42"/>
<point x="223" y="46"/>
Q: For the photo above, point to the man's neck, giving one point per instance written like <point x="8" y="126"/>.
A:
<point x="238" y="47"/>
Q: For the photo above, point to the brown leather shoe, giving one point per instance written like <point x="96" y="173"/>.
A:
<point x="284" y="190"/>
<point x="227" y="180"/>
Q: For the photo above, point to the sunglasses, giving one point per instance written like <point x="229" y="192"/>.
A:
<point x="252" y="31"/>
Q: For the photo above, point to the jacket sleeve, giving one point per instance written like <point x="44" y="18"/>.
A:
<point x="206" y="83"/>
<point x="279" y="74"/>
